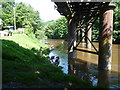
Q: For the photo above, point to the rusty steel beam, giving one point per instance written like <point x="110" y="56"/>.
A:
<point x="86" y="51"/>
<point x="84" y="22"/>
<point x="88" y="18"/>
<point x="87" y="31"/>
<point x="93" y="45"/>
<point x="105" y="43"/>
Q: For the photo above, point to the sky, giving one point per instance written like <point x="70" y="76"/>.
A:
<point x="45" y="8"/>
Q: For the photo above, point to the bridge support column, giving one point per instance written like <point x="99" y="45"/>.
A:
<point x="83" y="40"/>
<point x="104" y="78"/>
<point x="72" y="34"/>
<point x="105" y="43"/>
<point x="78" y="35"/>
<point x="89" y="35"/>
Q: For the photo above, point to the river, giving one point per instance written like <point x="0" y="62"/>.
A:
<point x="84" y="65"/>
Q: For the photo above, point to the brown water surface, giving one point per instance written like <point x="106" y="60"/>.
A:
<point x="93" y="58"/>
<point x="85" y="65"/>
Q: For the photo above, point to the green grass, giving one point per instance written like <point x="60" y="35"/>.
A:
<point x="27" y="42"/>
<point x="21" y="64"/>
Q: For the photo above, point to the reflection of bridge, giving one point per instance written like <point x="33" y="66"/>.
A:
<point x="81" y="17"/>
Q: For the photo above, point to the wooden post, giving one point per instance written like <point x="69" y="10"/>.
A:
<point x="105" y="43"/>
<point x="89" y="35"/>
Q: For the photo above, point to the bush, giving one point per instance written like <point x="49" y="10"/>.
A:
<point x="28" y="30"/>
<point x="40" y="35"/>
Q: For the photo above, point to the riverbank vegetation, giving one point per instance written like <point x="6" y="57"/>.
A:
<point x="57" y="29"/>
<point x="23" y="67"/>
<point x="28" y="18"/>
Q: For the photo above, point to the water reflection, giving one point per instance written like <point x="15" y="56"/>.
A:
<point x="82" y="70"/>
<point x="89" y="71"/>
<point x="84" y="65"/>
<point x="104" y="78"/>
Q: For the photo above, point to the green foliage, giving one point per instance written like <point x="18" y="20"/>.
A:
<point x="27" y="16"/>
<point x="48" y="22"/>
<point x="28" y="30"/>
<point x="40" y="35"/>
<point x="95" y="30"/>
<point x="7" y="13"/>
<point x="116" y="32"/>
<point x="57" y="29"/>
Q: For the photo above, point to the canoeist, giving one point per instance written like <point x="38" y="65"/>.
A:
<point x="57" y="61"/>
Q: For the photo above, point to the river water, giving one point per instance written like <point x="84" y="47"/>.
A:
<point x="84" y="65"/>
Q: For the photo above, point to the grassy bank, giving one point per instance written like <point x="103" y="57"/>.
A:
<point x="24" y="67"/>
<point x="28" y="43"/>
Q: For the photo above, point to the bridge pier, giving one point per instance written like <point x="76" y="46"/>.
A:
<point x="83" y="40"/>
<point x="89" y="35"/>
<point x="72" y="34"/>
<point x="105" y="43"/>
<point x="104" y="78"/>
<point x="78" y="35"/>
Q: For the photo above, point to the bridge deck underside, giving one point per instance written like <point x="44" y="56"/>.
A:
<point x="83" y="12"/>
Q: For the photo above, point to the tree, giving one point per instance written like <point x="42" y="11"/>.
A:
<point x="95" y="30"/>
<point x="40" y="34"/>
<point x="26" y="15"/>
<point x="7" y="14"/>
<point x="116" y="31"/>
<point x="57" y="29"/>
